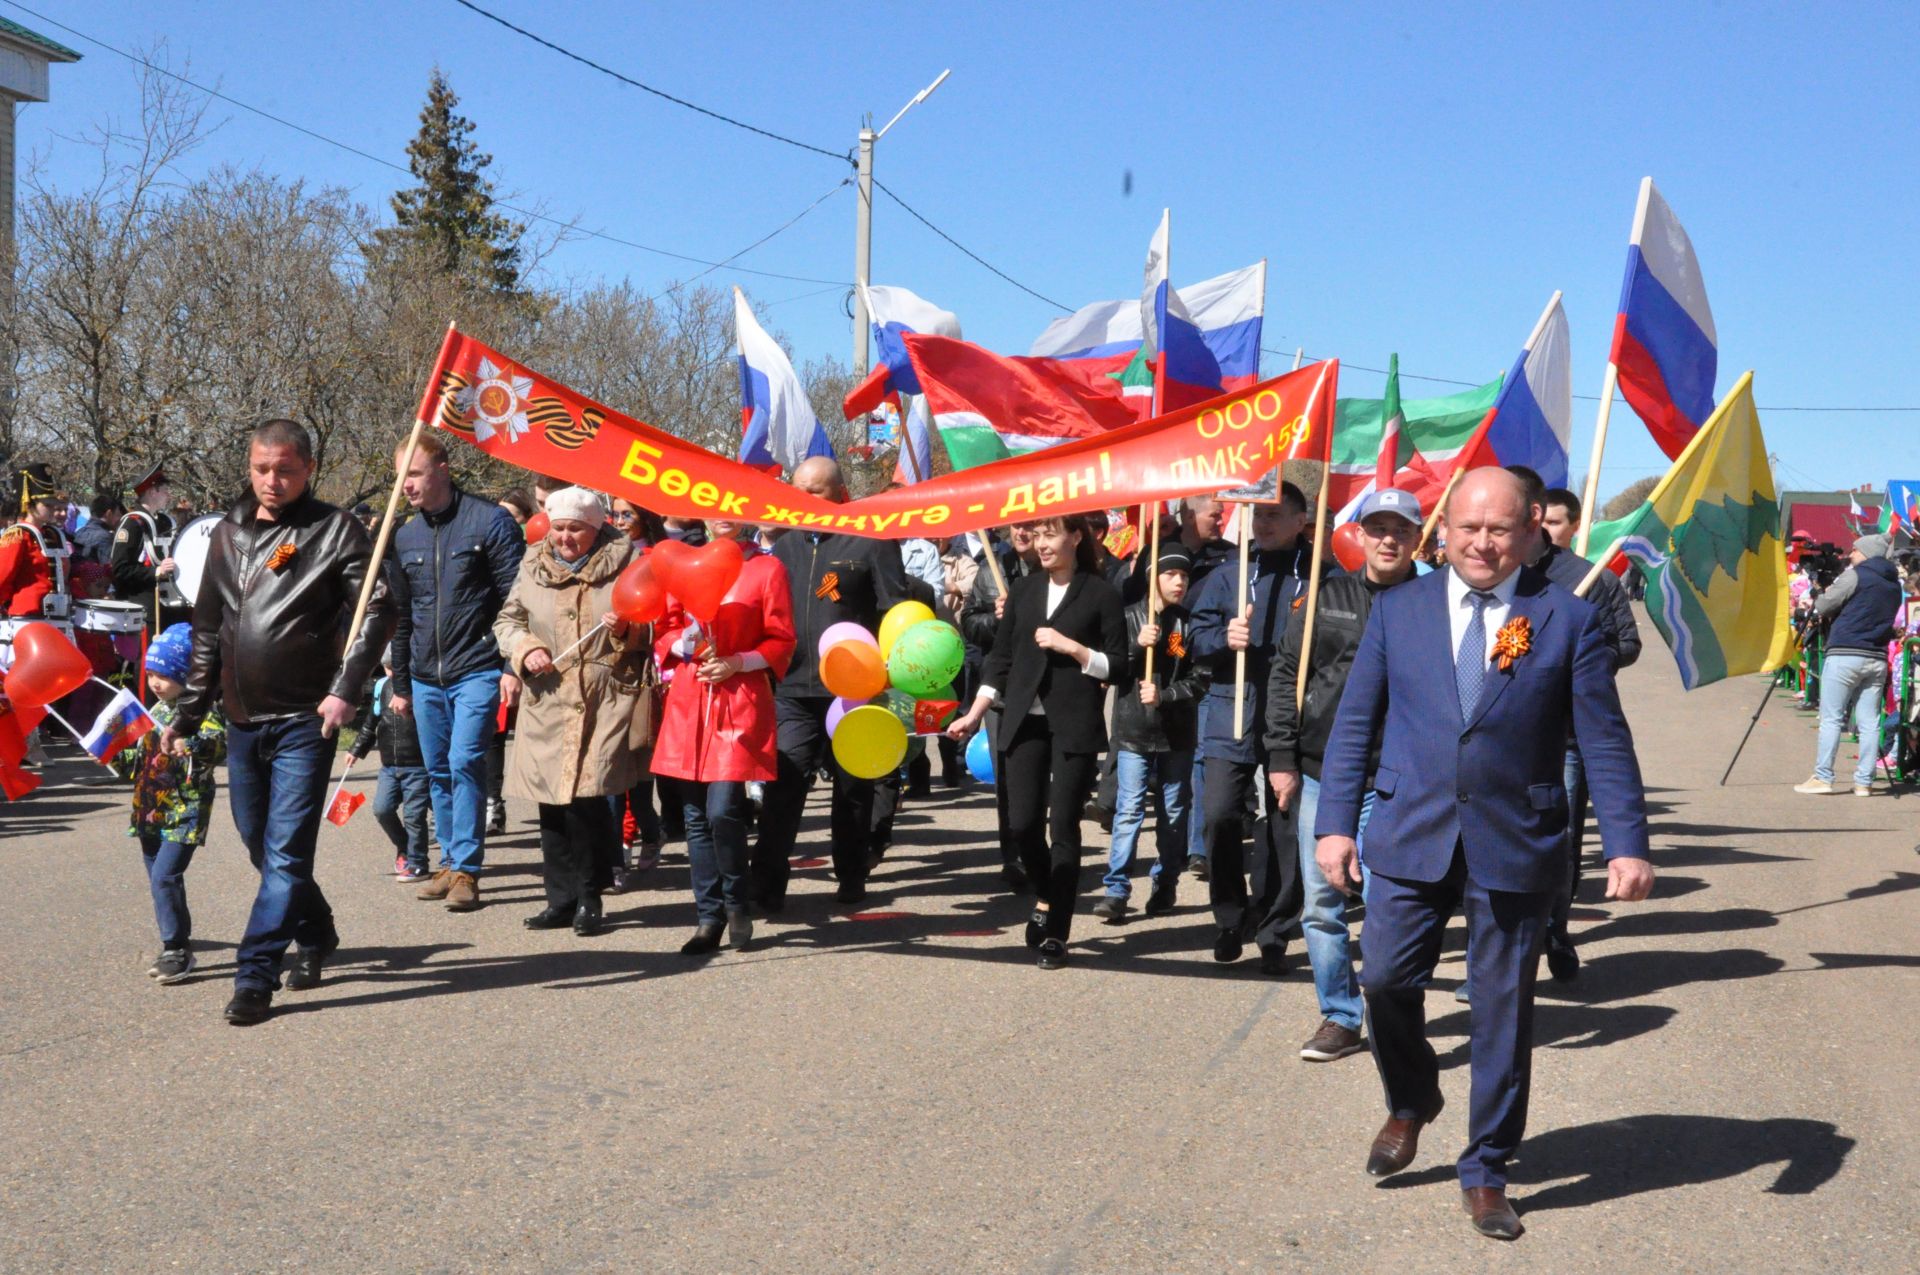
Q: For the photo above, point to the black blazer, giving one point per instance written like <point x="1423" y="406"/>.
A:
<point x="1024" y="674"/>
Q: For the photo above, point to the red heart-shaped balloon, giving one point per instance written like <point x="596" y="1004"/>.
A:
<point x="537" y="527"/>
<point x="699" y="577"/>
<point x="638" y="595"/>
<point x="46" y="665"/>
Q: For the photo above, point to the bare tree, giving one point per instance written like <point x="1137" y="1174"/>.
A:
<point x="1629" y="498"/>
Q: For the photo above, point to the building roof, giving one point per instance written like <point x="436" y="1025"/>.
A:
<point x="52" y="50"/>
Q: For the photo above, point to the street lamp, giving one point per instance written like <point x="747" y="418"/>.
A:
<point x="863" y="226"/>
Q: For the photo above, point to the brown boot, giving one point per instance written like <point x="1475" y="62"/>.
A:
<point x="463" y="892"/>
<point x="436" y="886"/>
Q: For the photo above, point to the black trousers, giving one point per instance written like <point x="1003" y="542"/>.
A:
<point x="1271" y="914"/>
<point x="804" y="748"/>
<point x="496" y="765"/>
<point x="579" y="845"/>
<point x="1009" y="853"/>
<point x="1047" y="790"/>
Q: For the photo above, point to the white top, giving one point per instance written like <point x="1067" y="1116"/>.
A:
<point x="1094" y="666"/>
<point x="1460" y="609"/>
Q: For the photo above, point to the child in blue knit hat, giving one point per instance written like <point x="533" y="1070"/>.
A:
<point x="172" y="799"/>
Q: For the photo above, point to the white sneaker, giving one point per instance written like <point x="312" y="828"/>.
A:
<point x="1863" y="790"/>
<point x="1823" y="787"/>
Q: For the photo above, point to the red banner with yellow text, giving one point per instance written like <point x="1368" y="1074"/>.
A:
<point x="516" y="415"/>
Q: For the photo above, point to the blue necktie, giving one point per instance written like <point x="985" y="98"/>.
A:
<point x="1470" y="666"/>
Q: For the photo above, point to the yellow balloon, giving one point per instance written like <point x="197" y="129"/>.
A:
<point x="870" y="742"/>
<point x="898" y="621"/>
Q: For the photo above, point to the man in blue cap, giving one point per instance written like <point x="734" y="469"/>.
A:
<point x="1297" y="740"/>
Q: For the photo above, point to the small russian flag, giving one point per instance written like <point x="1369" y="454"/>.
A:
<point x="120" y="725"/>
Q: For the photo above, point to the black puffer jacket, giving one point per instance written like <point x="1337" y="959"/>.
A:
<point x="270" y="627"/>
<point x="1172" y="725"/>
<point x="1297" y="741"/>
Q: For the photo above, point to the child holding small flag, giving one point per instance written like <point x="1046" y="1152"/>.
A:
<point x="172" y="799"/>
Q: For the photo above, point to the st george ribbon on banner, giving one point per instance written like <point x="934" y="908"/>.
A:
<point x="1225" y="442"/>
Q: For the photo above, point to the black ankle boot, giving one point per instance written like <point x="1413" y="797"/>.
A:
<point x="586" y="918"/>
<point x="550" y="918"/>
<point x="706" y="939"/>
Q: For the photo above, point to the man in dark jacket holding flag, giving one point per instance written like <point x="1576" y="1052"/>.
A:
<point x="1297" y="740"/>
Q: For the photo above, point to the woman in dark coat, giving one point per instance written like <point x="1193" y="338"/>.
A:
<point x="1061" y="638"/>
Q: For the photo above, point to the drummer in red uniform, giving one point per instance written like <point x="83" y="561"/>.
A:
<point x="26" y="576"/>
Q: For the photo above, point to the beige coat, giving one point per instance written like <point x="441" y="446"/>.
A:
<point x="572" y="737"/>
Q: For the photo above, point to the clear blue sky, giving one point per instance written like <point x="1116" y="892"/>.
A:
<point x="1420" y="177"/>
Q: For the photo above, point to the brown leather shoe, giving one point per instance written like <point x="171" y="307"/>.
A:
<point x="436" y="886"/>
<point x="463" y="892"/>
<point x="1398" y="1142"/>
<point x="1492" y="1216"/>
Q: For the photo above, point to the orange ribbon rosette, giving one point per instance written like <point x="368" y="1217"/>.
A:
<point x="281" y="557"/>
<point x="1176" y="646"/>
<point x="829" y="586"/>
<point x="1514" y="640"/>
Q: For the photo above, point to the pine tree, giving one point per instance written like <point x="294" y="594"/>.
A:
<point x="450" y="214"/>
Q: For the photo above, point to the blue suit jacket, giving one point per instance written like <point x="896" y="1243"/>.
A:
<point x="1492" y="784"/>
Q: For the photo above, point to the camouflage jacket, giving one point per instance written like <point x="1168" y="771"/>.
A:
<point x="173" y="796"/>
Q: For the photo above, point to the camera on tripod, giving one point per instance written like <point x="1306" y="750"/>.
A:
<point x="1823" y="562"/>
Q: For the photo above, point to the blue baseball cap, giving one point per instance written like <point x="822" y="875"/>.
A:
<point x="1390" y="501"/>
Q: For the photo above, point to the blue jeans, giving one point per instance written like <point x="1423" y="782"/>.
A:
<point x="167" y="877"/>
<point x="1856" y="685"/>
<point x="716" y="815"/>
<point x="1323" y="913"/>
<point x="456" y="725"/>
<point x="1133" y="774"/>
<point x="277" y="790"/>
<point x="400" y="807"/>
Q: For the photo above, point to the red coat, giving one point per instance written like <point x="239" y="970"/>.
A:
<point x="726" y="731"/>
<point x="26" y="577"/>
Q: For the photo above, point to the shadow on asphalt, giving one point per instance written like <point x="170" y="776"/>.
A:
<point x="1625" y="976"/>
<point x="1616" y="1159"/>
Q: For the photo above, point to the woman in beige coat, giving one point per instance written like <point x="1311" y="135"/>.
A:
<point x="575" y="743"/>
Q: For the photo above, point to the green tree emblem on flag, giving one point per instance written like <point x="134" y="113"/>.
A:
<point x="1717" y="534"/>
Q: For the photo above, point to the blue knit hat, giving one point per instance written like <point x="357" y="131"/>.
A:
<point x="171" y="652"/>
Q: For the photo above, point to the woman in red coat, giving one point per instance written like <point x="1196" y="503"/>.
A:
<point x="717" y="731"/>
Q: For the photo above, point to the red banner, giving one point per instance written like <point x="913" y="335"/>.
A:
<point x="520" y="417"/>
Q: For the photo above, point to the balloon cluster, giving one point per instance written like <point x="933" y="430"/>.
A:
<point x="699" y="578"/>
<point x="891" y="689"/>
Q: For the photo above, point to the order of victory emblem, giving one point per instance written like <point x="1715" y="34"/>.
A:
<point x="497" y="401"/>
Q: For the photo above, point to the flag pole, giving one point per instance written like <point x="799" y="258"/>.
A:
<point x="1243" y="515"/>
<point x="342" y="783"/>
<point x="1319" y="556"/>
<point x="1592" y="491"/>
<point x="381" y="541"/>
<point x="993" y="562"/>
<point x="1433" y="515"/>
<point x="1152" y="510"/>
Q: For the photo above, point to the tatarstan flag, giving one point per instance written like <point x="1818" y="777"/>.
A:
<point x="1434" y="428"/>
<point x="990" y="406"/>
<point x="1708" y="542"/>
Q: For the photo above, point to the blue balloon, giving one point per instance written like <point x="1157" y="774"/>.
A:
<point x="980" y="758"/>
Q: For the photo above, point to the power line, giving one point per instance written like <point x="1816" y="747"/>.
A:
<point x="529" y="213"/>
<point x="1585" y="398"/>
<point x="976" y="257"/>
<point x="628" y="80"/>
<point x="833" y="190"/>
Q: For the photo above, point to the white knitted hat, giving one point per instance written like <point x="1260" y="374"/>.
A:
<point x="578" y="504"/>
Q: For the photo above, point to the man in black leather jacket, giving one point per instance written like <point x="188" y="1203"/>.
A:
<point x="270" y="643"/>
<point x="834" y="578"/>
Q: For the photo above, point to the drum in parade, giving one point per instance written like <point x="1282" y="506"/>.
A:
<point x="190" y="548"/>
<point x="103" y="615"/>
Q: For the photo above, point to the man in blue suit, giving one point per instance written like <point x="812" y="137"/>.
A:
<point x="1470" y="681"/>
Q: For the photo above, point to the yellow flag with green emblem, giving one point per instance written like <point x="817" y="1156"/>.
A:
<point x="1707" y="540"/>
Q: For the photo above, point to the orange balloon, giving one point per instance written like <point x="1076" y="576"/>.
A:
<point x="699" y="577"/>
<point x="538" y="526"/>
<point x="46" y="665"/>
<point x="638" y="596"/>
<point x="853" y="670"/>
<point x="1348" y="547"/>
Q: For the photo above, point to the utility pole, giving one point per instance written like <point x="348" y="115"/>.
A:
<point x="863" y="225"/>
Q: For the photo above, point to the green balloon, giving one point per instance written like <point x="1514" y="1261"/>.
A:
<point x="900" y="704"/>
<point x="925" y="658"/>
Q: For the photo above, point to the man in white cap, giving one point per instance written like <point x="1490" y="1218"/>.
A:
<point x="1860" y="605"/>
<point x="1297" y="741"/>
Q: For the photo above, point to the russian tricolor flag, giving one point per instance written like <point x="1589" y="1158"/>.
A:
<point x="1665" y="348"/>
<point x="1531" y="422"/>
<point x="120" y="725"/>
<point x="898" y="313"/>
<point x="777" y="424"/>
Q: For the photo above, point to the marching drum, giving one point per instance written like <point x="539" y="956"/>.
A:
<point x="99" y="615"/>
<point x="190" y="549"/>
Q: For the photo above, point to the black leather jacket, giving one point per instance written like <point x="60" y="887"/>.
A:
<point x="270" y="639"/>
<point x="834" y="578"/>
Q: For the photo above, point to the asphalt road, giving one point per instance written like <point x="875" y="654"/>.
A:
<point x="1728" y="1085"/>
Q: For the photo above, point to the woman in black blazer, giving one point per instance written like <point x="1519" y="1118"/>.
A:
<point x="1061" y="638"/>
